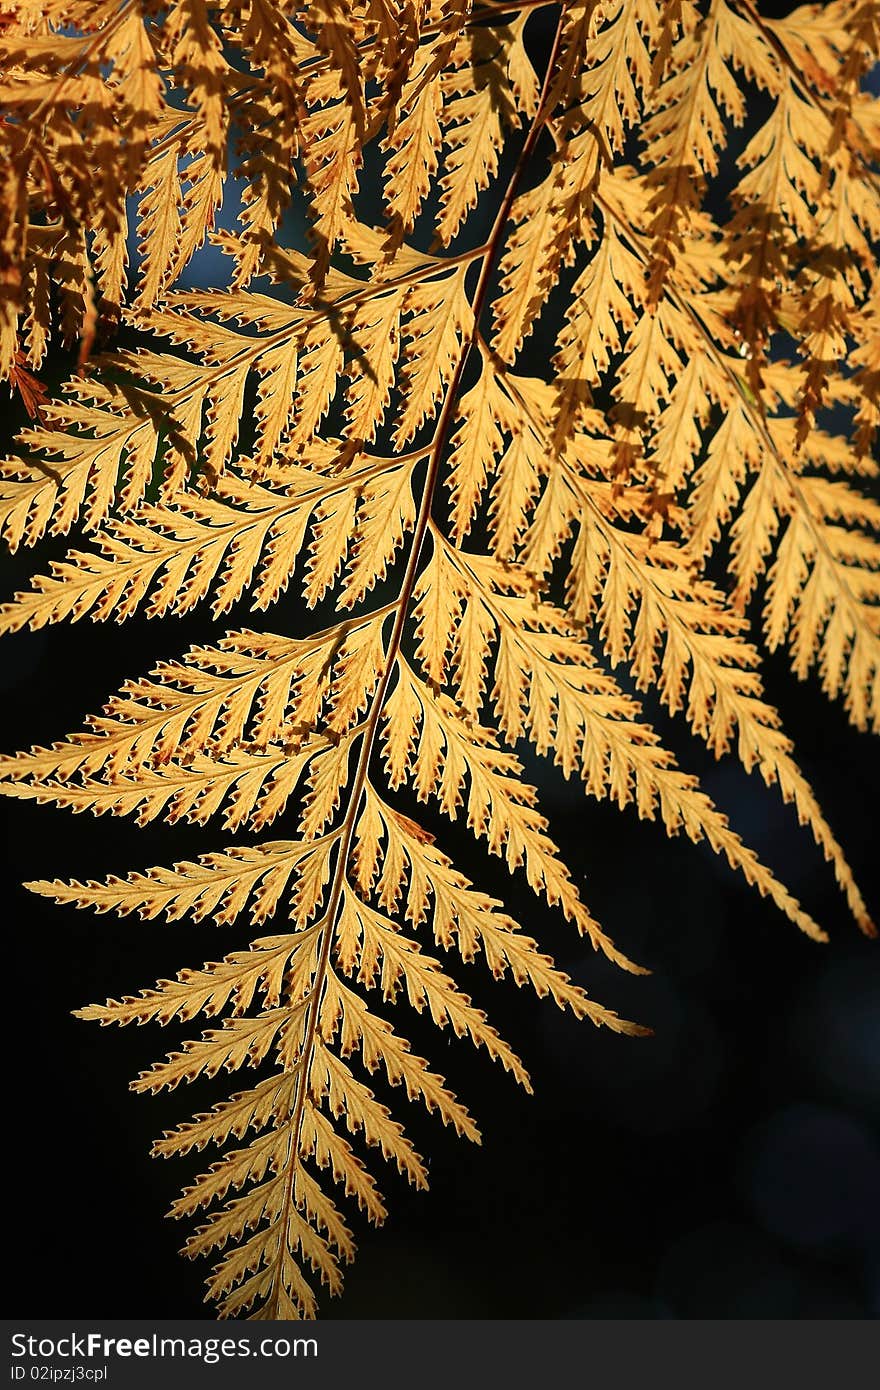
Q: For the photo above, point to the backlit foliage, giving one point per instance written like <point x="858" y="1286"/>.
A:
<point x="497" y="558"/>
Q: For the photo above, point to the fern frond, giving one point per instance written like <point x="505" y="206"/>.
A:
<point x="504" y="545"/>
<point x="218" y="885"/>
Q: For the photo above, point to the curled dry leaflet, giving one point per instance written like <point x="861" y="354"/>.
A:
<point x="496" y="557"/>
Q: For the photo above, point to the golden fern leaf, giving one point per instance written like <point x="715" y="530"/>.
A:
<point x="745" y="443"/>
<point x="415" y="137"/>
<point x="686" y="128"/>
<point x="705" y="659"/>
<point x="502" y="544"/>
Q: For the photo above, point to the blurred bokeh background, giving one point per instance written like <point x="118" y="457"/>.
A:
<point x="727" y="1167"/>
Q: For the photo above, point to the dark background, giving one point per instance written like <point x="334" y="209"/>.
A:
<point x="727" y="1167"/>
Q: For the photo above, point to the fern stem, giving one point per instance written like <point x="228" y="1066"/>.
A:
<point x="490" y="254"/>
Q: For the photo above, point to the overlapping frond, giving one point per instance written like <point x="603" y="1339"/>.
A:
<point x="506" y="543"/>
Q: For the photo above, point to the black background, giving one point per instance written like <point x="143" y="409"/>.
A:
<point x="727" y="1167"/>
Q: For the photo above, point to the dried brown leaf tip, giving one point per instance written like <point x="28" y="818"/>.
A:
<point x="506" y="545"/>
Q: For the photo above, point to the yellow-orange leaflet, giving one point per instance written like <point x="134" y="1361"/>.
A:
<point x="452" y="544"/>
